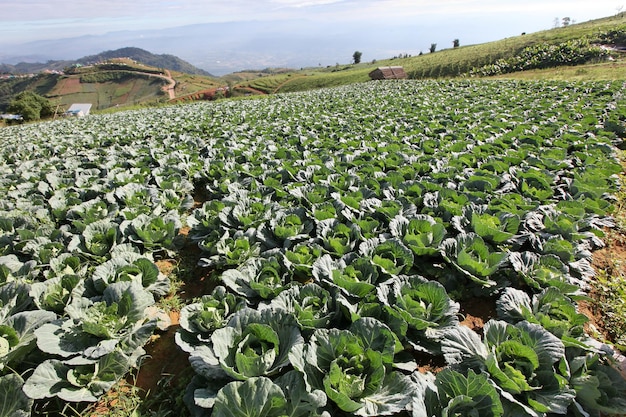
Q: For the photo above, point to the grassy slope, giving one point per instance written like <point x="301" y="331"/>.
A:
<point x="455" y="61"/>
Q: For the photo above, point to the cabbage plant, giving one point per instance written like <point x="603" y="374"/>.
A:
<point x="420" y="233"/>
<point x="257" y="278"/>
<point x="418" y="311"/>
<point x="253" y="343"/>
<point x="525" y="361"/>
<point x="474" y="258"/>
<point x="313" y="306"/>
<point x="200" y="319"/>
<point x="354" y="368"/>
<point x="354" y="276"/>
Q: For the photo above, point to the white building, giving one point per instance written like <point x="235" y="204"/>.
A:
<point x="79" y="109"/>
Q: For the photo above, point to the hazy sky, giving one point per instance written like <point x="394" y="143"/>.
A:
<point x="27" y="20"/>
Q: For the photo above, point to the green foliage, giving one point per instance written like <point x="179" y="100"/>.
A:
<point x="31" y="106"/>
<point x="541" y="56"/>
<point x="341" y="230"/>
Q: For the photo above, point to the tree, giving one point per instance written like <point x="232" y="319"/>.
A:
<point x="31" y="106"/>
<point x="456" y="43"/>
<point x="356" y="57"/>
<point x="433" y="48"/>
<point x="566" y="21"/>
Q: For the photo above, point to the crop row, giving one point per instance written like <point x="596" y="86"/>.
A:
<point x="344" y="227"/>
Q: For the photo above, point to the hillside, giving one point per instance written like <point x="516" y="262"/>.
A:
<point x="142" y="77"/>
<point x="165" y="61"/>
<point x="113" y="83"/>
<point x="461" y="61"/>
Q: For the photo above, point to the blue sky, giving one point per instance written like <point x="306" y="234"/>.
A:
<point x="28" y="20"/>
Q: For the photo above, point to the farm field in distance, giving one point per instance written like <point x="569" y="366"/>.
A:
<point x="407" y="248"/>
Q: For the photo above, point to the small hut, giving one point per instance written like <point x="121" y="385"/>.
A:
<point x="388" y="73"/>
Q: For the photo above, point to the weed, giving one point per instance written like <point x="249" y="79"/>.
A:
<point x="610" y="299"/>
<point x="167" y="399"/>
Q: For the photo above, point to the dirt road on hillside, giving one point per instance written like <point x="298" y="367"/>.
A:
<point x="169" y="88"/>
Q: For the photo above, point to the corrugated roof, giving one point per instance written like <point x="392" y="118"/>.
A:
<point x="388" y="73"/>
<point x="80" y="108"/>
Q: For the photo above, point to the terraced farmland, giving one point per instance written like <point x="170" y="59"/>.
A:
<point x="346" y="231"/>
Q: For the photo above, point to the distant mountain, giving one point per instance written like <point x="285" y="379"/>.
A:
<point x="226" y="47"/>
<point x="166" y="61"/>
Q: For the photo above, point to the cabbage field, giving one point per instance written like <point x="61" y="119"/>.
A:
<point x="344" y="229"/>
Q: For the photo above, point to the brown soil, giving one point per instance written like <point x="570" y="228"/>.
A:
<point x="612" y="260"/>
<point x="164" y="359"/>
<point x="166" y="266"/>
<point x="476" y="312"/>
<point x="428" y="363"/>
<point x="68" y="85"/>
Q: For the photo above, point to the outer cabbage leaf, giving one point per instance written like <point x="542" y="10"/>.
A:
<point x="11" y="269"/>
<point x="14" y="297"/>
<point x="76" y="383"/>
<point x="14" y="402"/>
<point x="257" y="396"/>
<point x="17" y="335"/>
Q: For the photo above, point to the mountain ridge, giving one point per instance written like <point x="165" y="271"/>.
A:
<point x="165" y="61"/>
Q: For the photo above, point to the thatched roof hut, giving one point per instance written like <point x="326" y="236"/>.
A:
<point x="388" y="73"/>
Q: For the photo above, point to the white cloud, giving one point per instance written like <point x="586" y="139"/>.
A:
<point x="20" y="17"/>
